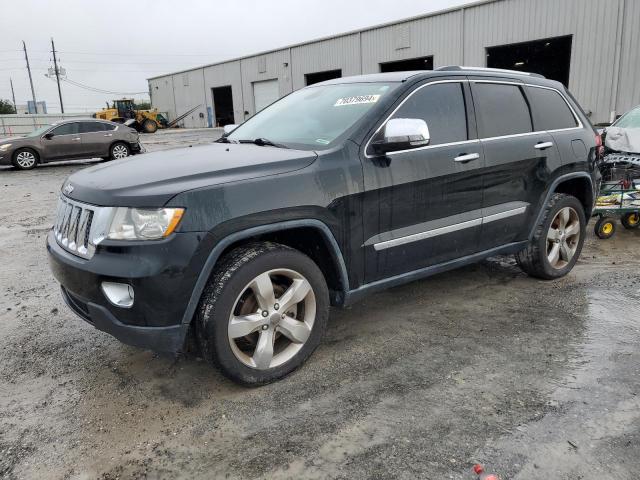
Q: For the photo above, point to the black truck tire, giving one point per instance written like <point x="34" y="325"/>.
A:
<point x="535" y="258"/>
<point x="149" y="126"/>
<point x="229" y="296"/>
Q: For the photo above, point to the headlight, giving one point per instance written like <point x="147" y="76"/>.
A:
<point x="5" y="147"/>
<point x="144" y="223"/>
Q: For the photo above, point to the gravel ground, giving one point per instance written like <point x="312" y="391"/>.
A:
<point x="536" y="380"/>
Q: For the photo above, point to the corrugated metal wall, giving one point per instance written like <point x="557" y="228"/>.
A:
<point x="438" y="36"/>
<point x="605" y="60"/>
<point x="337" y="53"/>
<point x="222" y="75"/>
<point x="628" y="93"/>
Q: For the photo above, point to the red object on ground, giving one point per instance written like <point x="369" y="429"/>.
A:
<point x="479" y="470"/>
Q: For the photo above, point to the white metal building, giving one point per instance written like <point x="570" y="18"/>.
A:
<point x="591" y="45"/>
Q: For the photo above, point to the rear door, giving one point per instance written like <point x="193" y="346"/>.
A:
<point x="553" y="113"/>
<point x="65" y="143"/>
<point x="423" y="206"/>
<point x="518" y="158"/>
<point x="95" y="139"/>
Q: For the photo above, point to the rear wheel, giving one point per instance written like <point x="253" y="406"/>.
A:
<point x="605" y="228"/>
<point x="25" y="159"/>
<point x="631" y="221"/>
<point x="149" y="126"/>
<point x="119" y="150"/>
<point x="263" y="313"/>
<point x="557" y="241"/>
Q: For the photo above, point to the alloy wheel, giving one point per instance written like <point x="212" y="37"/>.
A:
<point x="563" y="238"/>
<point x="120" y="151"/>
<point x="26" y="159"/>
<point x="272" y="319"/>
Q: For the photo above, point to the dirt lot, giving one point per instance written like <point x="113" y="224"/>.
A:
<point x="536" y="380"/>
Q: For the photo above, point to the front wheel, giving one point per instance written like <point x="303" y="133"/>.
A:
<point x="263" y="313"/>
<point x="119" y="150"/>
<point x="149" y="126"/>
<point x="557" y="241"/>
<point x="24" y="159"/>
<point x="605" y="228"/>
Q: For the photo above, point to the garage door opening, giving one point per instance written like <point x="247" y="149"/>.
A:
<point x="223" y="106"/>
<point x="265" y="93"/>
<point x="550" y="57"/>
<point x="318" y="77"/>
<point x="421" y="63"/>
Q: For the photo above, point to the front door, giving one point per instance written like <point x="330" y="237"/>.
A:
<point x="423" y="206"/>
<point x="65" y="143"/>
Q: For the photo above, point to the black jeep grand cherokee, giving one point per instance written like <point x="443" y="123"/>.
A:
<point x="336" y="191"/>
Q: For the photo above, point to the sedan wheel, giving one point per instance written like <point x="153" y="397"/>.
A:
<point x="563" y="238"/>
<point x="272" y="319"/>
<point x="25" y="159"/>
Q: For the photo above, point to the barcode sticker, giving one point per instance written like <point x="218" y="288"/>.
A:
<point x="357" y="100"/>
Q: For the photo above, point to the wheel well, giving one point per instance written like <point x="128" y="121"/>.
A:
<point x="307" y="240"/>
<point x="581" y="189"/>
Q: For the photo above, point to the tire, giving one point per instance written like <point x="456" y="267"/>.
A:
<point x="631" y="221"/>
<point x="605" y="228"/>
<point x="119" y="150"/>
<point x="229" y="293"/>
<point x="149" y="126"/>
<point x="24" y="159"/>
<point x="555" y="249"/>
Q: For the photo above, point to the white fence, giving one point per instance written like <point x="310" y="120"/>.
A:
<point x="25" y="123"/>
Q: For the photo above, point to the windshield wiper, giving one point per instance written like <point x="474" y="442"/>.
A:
<point x="264" y="142"/>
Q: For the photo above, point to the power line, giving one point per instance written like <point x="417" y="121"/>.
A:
<point x="98" y="90"/>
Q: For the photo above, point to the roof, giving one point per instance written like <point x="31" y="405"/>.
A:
<point x="471" y="4"/>
<point x="441" y="72"/>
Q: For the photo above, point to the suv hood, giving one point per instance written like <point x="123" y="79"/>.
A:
<point x="151" y="180"/>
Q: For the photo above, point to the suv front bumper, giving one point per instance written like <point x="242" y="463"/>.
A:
<point x="162" y="274"/>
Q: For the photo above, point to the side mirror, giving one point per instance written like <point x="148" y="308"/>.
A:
<point x="229" y="128"/>
<point x="403" y="134"/>
<point x="49" y="135"/>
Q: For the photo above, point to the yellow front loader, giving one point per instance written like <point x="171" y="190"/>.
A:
<point x="124" y="111"/>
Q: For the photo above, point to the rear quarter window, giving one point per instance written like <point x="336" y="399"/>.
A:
<point x="550" y="110"/>
<point x="501" y="110"/>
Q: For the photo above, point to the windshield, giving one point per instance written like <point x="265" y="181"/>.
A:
<point x="39" y="131"/>
<point x="630" y="119"/>
<point x="313" y="117"/>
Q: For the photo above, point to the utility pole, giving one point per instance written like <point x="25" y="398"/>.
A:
<point x="13" y="96"/>
<point x="33" y="92"/>
<point x="55" y="66"/>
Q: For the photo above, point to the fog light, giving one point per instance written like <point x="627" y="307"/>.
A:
<point x="119" y="294"/>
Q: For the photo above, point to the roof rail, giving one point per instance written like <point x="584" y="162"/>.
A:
<point x="456" y="68"/>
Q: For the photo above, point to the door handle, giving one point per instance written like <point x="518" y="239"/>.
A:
<point x="544" y="145"/>
<point x="464" y="158"/>
<point x="108" y="134"/>
<point x="75" y="139"/>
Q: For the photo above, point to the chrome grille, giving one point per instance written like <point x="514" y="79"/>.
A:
<point x="72" y="227"/>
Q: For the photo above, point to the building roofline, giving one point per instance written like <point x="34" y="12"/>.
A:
<point x="437" y="13"/>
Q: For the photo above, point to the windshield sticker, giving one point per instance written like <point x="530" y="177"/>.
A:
<point x="323" y="141"/>
<point x="357" y="100"/>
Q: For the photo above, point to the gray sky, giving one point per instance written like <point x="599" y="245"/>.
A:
<point x="117" y="44"/>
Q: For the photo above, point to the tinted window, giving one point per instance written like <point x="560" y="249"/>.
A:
<point x="90" y="127"/>
<point x="501" y="110"/>
<point x="66" y="129"/>
<point x="550" y="110"/>
<point x="108" y="126"/>
<point x="442" y="107"/>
